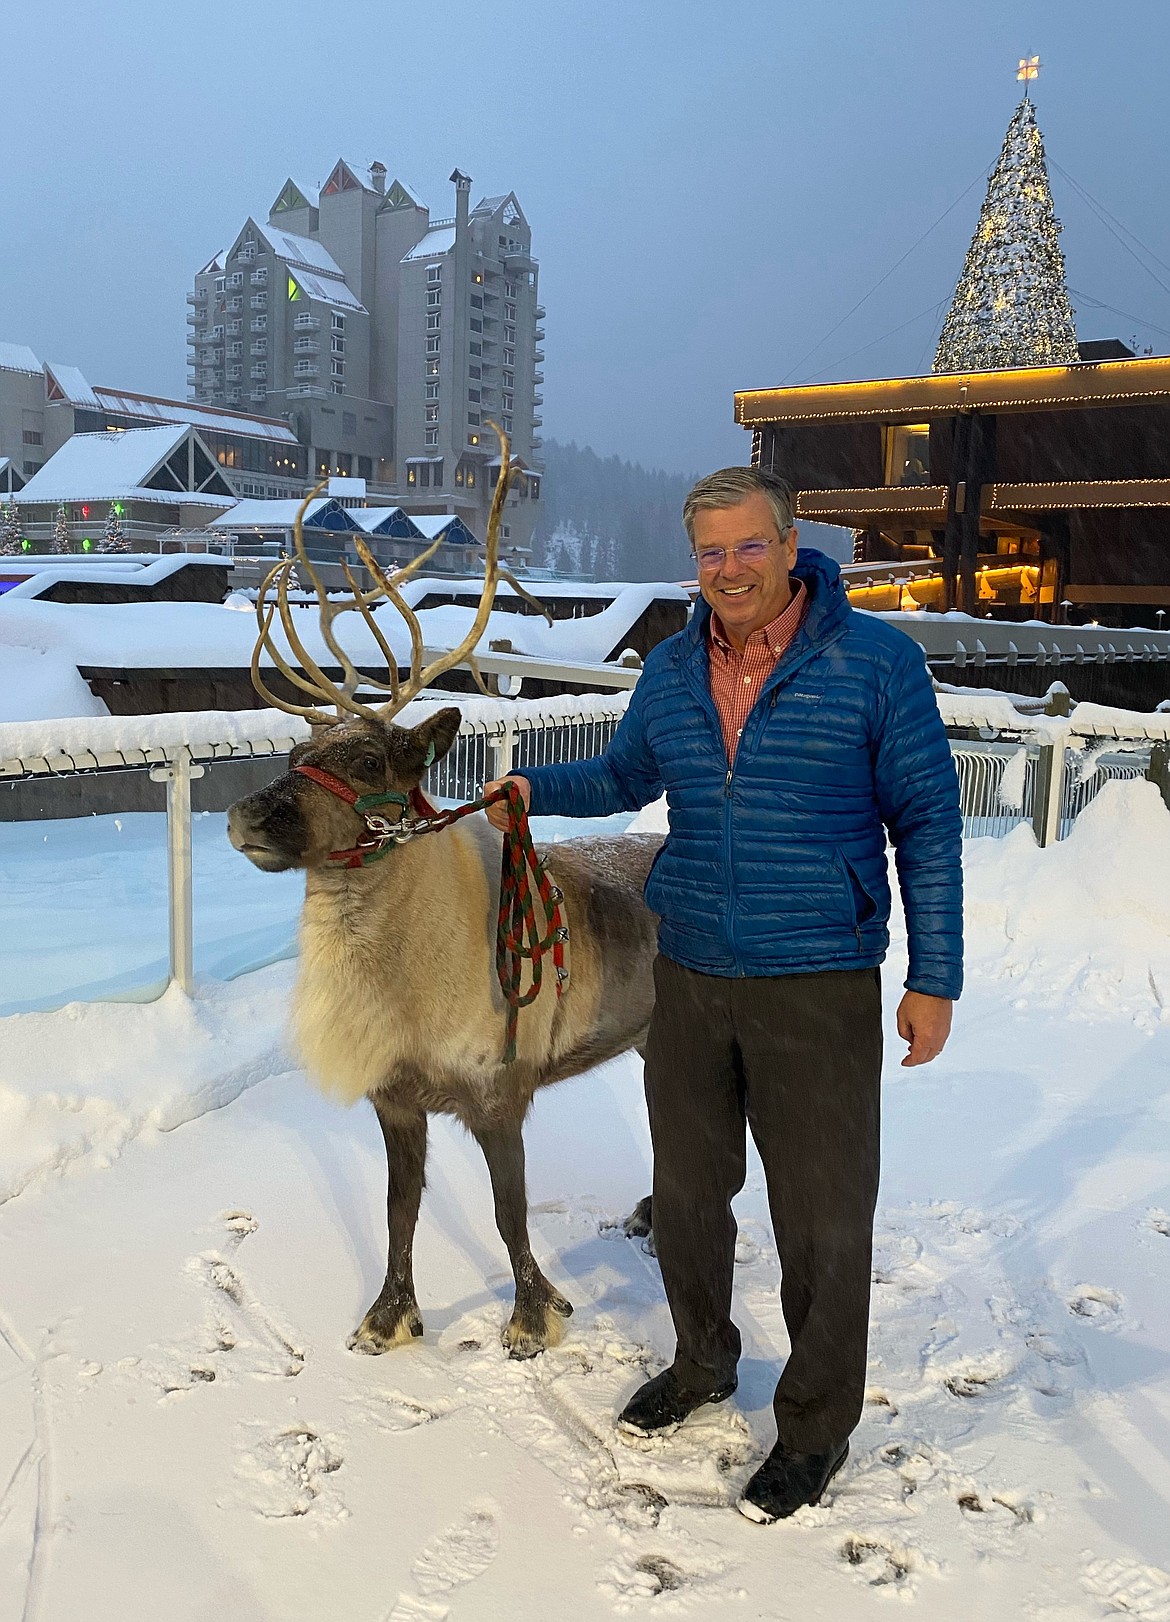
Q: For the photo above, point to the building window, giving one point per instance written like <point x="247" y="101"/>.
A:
<point x="432" y="391"/>
<point x="473" y="394"/>
<point x="509" y="335"/>
<point x="32" y="437"/>
<point x="431" y="413"/>
<point x="508" y="398"/>
<point x="509" y="380"/>
<point x="475" y="349"/>
<point x="433" y="322"/>
<point x="337" y="345"/>
<point x="433" y="345"/>
<point x="259" y="301"/>
<point x="349" y="422"/>
<point x="432" y="368"/>
<point x="473" y="417"/>
<point x="337" y="368"/>
<point x="907" y="453"/>
<point x="234" y="304"/>
<point x="234" y="326"/>
<point x="305" y="368"/>
<point x="365" y="467"/>
<point x="431" y="436"/>
<point x="509" y="289"/>
<point x="509" y="312"/>
<point x="260" y="346"/>
<point x="235" y="348"/>
<point x="220" y="283"/>
<point x="477" y="301"/>
<point x="534" y="489"/>
<point x="509" y="357"/>
<point x="259" y="323"/>
<point x="236" y="279"/>
<point x="476" y="326"/>
<point x="260" y="276"/>
<point x="434" y="273"/>
<point x="337" y="388"/>
<point x="344" y="463"/>
<point x="474" y="371"/>
<point x="32" y="467"/>
<point x="436" y="474"/>
<point x="434" y="297"/>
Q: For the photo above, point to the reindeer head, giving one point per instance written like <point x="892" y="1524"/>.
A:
<point x="296" y="822"/>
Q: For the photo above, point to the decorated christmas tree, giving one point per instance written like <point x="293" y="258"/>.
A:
<point x="114" y="540"/>
<point x="10" y="529"/>
<point x="1011" y="306"/>
<point x="61" y="529"/>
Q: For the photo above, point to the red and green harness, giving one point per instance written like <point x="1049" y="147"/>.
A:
<point x="524" y="880"/>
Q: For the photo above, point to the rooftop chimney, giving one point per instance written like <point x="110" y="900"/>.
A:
<point x="378" y="177"/>
<point x="462" y="184"/>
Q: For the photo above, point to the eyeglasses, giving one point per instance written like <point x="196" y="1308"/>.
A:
<point x="714" y="557"/>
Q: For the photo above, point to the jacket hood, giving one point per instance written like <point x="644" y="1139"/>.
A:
<point x="828" y="606"/>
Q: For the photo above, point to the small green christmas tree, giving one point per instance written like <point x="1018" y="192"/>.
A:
<point x="10" y="529"/>
<point x="1011" y="307"/>
<point x="61" y="530"/>
<point x="114" y="539"/>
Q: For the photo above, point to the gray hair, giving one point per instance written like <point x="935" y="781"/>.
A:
<point x="730" y="486"/>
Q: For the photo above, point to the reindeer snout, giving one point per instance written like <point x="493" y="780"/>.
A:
<point x="268" y="830"/>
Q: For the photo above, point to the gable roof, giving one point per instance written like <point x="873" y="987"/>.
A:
<point x="67" y="383"/>
<point x="145" y="464"/>
<point x="439" y="239"/>
<point x="18" y="358"/>
<point x="324" y="512"/>
<point x="400" y="195"/>
<point x="291" y="197"/>
<point x="125" y="404"/>
<point x="311" y="266"/>
<point x="343" y="177"/>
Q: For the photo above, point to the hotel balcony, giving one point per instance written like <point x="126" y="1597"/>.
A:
<point x="539" y="335"/>
<point x="540" y="312"/>
<point x="305" y="323"/>
<point x="306" y="346"/>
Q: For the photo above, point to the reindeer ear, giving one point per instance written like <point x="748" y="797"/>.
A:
<point x="432" y="738"/>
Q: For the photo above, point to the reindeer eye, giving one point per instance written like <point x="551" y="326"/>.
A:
<point x="371" y="764"/>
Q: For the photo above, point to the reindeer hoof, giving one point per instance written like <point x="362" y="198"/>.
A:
<point x="535" y="1332"/>
<point x="384" y="1328"/>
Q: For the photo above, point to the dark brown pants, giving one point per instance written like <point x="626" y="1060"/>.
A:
<point x="798" y="1057"/>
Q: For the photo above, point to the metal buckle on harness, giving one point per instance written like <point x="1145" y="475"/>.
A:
<point x="379" y="826"/>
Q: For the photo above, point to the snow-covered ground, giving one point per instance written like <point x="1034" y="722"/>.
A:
<point x="184" y="1435"/>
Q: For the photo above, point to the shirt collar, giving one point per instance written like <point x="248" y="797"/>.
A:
<point x="777" y="632"/>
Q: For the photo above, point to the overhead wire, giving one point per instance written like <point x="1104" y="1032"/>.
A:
<point x="1115" y="228"/>
<point x="982" y="175"/>
<point x="931" y="309"/>
<point x="1100" y="304"/>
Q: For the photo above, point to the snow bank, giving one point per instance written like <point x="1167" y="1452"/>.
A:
<point x="1083" y="925"/>
<point x="78" y="1085"/>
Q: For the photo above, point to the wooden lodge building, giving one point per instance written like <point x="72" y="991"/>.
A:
<point x="1029" y="493"/>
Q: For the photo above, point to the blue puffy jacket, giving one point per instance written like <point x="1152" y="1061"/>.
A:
<point x="778" y="866"/>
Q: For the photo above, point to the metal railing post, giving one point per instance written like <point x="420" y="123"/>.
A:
<point x="504" y="749"/>
<point x="177" y="775"/>
<point x="1049" y="793"/>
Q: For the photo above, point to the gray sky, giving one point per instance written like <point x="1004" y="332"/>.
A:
<point x="710" y="187"/>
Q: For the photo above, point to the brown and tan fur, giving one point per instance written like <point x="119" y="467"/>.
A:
<point x="397" y="998"/>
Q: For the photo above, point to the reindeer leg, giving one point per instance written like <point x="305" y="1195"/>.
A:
<point x="537" y="1319"/>
<point x="640" y="1222"/>
<point x="394" y="1318"/>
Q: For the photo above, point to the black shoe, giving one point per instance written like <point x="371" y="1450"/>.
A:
<point x="786" y="1481"/>
<point x="660" y="1406"/>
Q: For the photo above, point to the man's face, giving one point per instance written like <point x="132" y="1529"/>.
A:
<point x="746" y="596"/>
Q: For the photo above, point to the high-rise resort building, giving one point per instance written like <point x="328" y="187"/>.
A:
<point x="385" y="339"/>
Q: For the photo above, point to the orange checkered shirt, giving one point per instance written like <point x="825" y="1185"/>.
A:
<point x="737" y="679"/>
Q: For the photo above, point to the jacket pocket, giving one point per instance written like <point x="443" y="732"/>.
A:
<point x="862" y="905"/>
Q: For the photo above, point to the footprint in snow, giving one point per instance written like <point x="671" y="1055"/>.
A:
<point x="1096" y="1302"/>
<point x="451" y="1559"/>
<point x="238" y="1224"/>
<point x="1157" y="1222"/>
<point x="1124" y="1586"/>
<point x="289" y="1475"/>
<point x="881" y="1564"/>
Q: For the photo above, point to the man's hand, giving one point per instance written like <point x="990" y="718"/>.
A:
<point x="497" y="814"/>
<point x="924" y="1022"/>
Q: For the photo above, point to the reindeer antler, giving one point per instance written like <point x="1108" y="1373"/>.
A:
<point x="314" y="681"/>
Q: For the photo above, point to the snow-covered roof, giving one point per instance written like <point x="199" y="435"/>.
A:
<point x="258" y="513"/>
<point x="436" y="242"/>
<point x="71" y="385"/>
<point x="431" y="524"/>
<point x="108" y="466"/>
<point x="301" y="251"/>
<point x="329" y="290"/>
<point x="18" y="358"/>
<point x="228" y="422"/>
<point x="411" y="191"/>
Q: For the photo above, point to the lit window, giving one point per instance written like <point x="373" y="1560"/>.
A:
<point x="907" y="453"/>
<point x="432" y="368"/>
<point x="431" y="413"/>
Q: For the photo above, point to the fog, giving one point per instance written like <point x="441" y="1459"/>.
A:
<point x="711" y="189"/>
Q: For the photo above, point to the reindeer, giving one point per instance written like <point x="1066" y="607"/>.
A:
<point x="396" y="998"/>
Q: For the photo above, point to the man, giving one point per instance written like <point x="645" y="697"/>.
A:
<point x="790" y="734"/>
